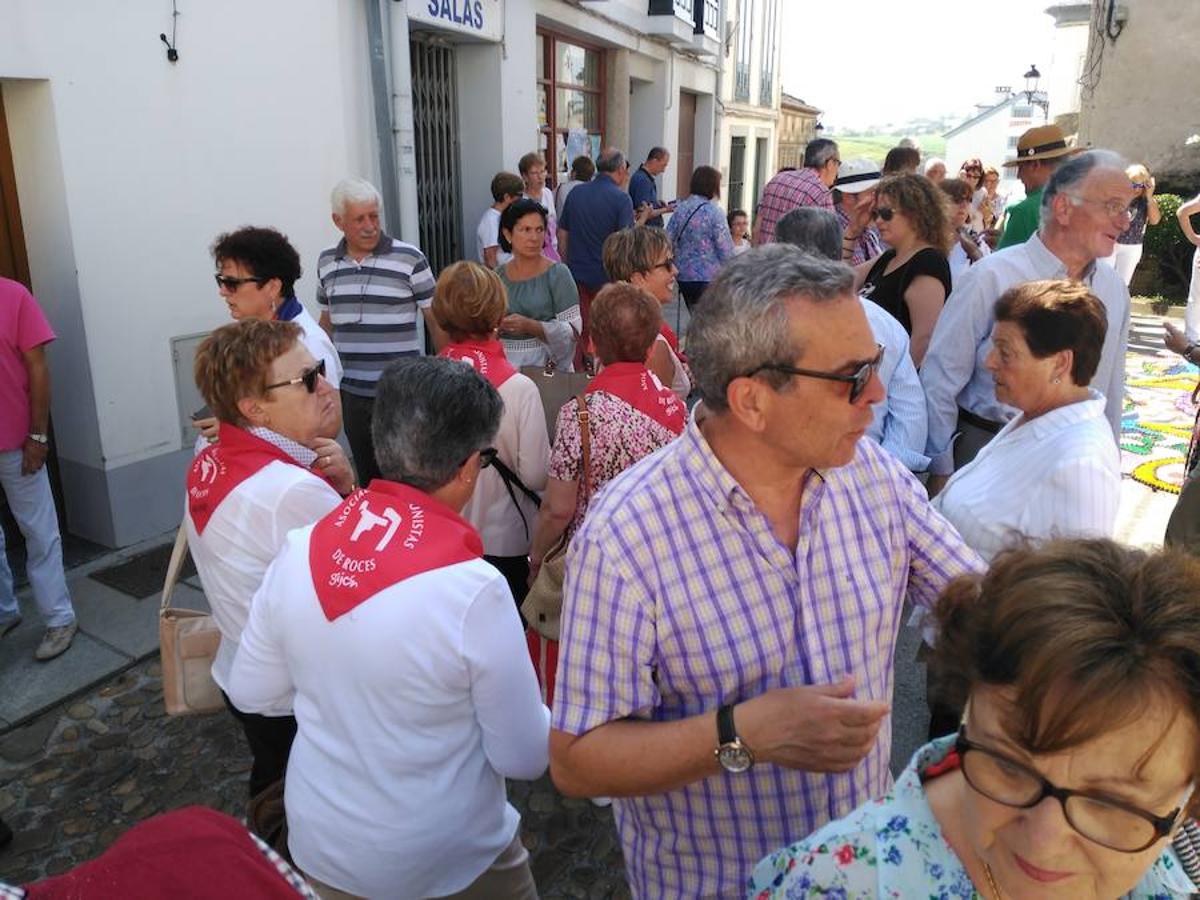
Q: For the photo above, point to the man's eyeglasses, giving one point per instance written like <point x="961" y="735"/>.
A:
<point x="231" y="284"/>
<point x="858" y="381"/>
<point x="1108" y="822"/>
<point x="883" y="212"/>
<point x="1114" y="208"/>
<point x="308" y="378"/>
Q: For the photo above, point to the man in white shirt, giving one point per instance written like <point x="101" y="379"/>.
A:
<point x="506" y="188"/>
<point x="413" y="690"/>
<point x="1085" y="206"/>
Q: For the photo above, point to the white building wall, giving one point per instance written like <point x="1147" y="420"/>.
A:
<point x="128" y="166"/>
<point x="993" y="140"/>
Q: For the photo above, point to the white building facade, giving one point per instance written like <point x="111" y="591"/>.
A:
<point x="122" y="166"/>
<point x="992" y="135"/>
<point x="750" y="100"/>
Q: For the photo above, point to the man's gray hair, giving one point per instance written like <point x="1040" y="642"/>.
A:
<point x="742" y="322"/>
<point x="352" y="190"/>
<point x="813" y="230"/>
<point x="818" y="152"/>
<point x="1071" y="174"/>
<point x="430" y="415"/>
<point x="610" y="160"/>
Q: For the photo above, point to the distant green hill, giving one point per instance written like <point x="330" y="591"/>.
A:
<point x="876" y="146"/>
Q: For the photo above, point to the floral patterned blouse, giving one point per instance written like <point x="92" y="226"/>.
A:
<point x="620" y="436"/>
<point x="700" y="233"/>
<point x="893" y="847"/>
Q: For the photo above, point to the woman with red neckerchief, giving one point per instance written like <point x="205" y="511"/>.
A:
<point x="402" y="648"/>
<point x="274" y="467"/>
<point x="469" y="304"/>
<point x="630" y="415"/>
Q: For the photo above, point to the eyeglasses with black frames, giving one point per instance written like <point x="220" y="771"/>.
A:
<point x="231" y="284"/>
<point x="308" y="378"/>
<point x="1104" y="820"/>
<point x="858" y="381"/>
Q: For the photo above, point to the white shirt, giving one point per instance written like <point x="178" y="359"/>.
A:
<point x="681" y="384"/>
<point x="1058" y="475"/>
<point x="242" y="537"/>
<point x="953" y="373"/>
<point x="960" y="262"/>
<point x="523" y="446"/>
<point x="900" y="425"/>
<point x="318" y="343"/>
<point x="488" y="235"/>
<point x="412" y="709"/>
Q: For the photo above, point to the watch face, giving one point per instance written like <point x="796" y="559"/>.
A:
<point x="734" y="758"/>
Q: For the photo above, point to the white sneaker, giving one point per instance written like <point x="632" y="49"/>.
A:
<point x="55" y="642"/>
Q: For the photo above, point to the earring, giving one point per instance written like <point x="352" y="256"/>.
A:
<point x="1058" y="381"/>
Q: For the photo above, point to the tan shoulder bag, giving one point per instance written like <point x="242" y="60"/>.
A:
<point x="188" y="640"/>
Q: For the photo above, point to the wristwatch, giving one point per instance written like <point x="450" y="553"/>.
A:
<point x="40" y="438"/>
<point x="732" y="754"/>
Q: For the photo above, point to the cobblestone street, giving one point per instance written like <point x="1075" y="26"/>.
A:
<point x="78" y="776"/>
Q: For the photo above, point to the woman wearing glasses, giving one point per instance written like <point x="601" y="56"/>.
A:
<point x="642" y="255"/>
<point x="1077" y="757"/>
<point x="1054" y="470"/>
<point x="257" y="270"/>
<point x="912" y="279"/>
<point x="273" y="468"/>
<point x="469" y="304"/>
<point x="1144" y="209"/>
<point x="700" y="233"/>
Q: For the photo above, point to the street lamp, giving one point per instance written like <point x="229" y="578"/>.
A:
<point x="1032" y="95"/>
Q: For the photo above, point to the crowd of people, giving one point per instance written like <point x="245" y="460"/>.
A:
<point x="679" y="586"/>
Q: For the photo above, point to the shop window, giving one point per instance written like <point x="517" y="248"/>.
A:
<point x="570" y="101"/>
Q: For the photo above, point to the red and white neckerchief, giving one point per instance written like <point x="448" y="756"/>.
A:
<point x="380" y="536"/>
<point x="641" y="389"/>
<point x="222" y="466"/>
<point x="487" y="357"/>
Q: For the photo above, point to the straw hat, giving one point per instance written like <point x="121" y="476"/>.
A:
<point x="1042" y="142"/>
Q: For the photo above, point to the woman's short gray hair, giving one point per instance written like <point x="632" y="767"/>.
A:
<point x="742" y="322"/>
<point x="430" y="415"/>
<point x="1068" y="176"/>
<point x="352" y="190"/>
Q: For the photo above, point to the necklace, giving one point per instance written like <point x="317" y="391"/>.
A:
<point x="987" y="870"/>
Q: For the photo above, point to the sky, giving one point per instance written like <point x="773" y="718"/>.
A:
<point x="878" y="61"/>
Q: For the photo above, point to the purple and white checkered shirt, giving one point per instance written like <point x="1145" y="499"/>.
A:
<point x="783" y="193"/>
<point x="679" y="599"/>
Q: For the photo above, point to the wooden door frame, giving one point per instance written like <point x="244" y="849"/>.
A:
<point x="10" y="208"/>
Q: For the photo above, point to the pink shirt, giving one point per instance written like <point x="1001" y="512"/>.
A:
<point x="22" y="327"/>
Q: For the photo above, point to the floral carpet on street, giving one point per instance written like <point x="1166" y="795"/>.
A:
<point x="1156" y="425"/>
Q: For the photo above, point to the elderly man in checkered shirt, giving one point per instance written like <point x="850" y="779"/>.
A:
<point x="732" y="602"/>
<point x="793" y="188"/>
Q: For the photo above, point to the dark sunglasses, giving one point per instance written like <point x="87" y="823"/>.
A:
<point x="232" y="284"/>
<point x="858" y="381"/>
<point x="308" y="378"/>
<point x="883" y="212"/>
<point x="1137" y="185"/>
<point x="487" y="456"/>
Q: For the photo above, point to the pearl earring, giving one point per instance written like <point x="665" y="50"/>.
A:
<point x="1058" y="381"/>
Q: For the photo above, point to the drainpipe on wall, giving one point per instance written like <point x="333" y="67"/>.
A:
<point x="380" y="95"/>
<point x="403" y="135"/>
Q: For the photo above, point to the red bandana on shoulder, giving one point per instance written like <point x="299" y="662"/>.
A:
<point x="672" y="341"/>
<point x="379" y="537"/>
<point x="486" y="356"/>
<point x="638" y="386"/>
<point x="221" y="467"/>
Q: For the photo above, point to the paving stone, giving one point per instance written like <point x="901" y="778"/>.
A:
<point x="96" y="726"/>
<point x="29" y="741"/>
<point x="70" y="733"/>
<point x="6" y="801"/>
<point x="108" y="741"/>
<point x="44" y="776"/>
<point x="76" y="827"/>
<point x="81" y="711"/>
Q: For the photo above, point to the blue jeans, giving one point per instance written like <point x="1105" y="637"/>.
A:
<point x="32" y="506"/>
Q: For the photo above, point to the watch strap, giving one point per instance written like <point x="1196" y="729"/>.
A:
<point x="726" y="732"/>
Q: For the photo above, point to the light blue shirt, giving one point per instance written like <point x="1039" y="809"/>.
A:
<point x="953" y="372"/>
<point x="900" y="423"/>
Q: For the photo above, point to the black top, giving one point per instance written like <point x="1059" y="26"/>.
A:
<point x="888" y="290"/>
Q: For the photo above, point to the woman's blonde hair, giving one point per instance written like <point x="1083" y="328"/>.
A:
<point x="234" y="361"/>
<point x="469" y="300"/>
